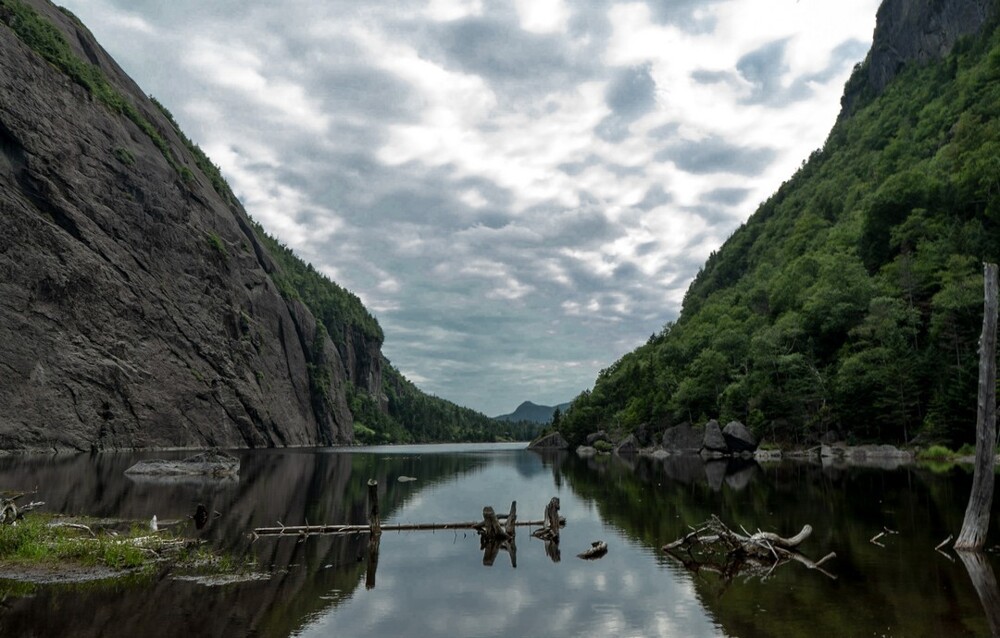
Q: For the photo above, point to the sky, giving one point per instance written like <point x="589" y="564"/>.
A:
<point x="520" y="191"/>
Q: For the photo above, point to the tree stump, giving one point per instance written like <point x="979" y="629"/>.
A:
<point x="511" y="520"/>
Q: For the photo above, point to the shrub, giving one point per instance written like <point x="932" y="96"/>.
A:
<point x="936" y="453"/>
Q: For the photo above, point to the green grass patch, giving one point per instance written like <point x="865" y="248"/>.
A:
<point x="124" y="156"/>
<point x="603" y="447"/>
<point x="41" y="539"/>
<point x="215" y="243"/>
<point x="936" y="453"/>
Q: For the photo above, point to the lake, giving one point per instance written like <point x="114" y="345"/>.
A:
<point x="436" y="583"/>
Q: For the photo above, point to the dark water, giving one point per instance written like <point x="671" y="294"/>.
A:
<point x="436" y="584"/>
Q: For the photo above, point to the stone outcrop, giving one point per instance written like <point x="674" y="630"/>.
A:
<point x="212" y="463"/>
<point x="629" y="445"/>
<point x="914" y="32"/>
<point x="138" y="306"/>
<point x="714" y="441"/>
<point x="739" y="438"/>
<point x="594" y="437"/>
<point x="683" y="438"/>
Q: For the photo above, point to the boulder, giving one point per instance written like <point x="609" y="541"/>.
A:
<point x="553" y="441"/>
<point x="585" y="451"/>
<point x="629" y="445"/>
<point x="713" y="440"/>
<point x="683" y="438"/>
<point x="212" y="463"/>
<point x="739" y="438"/>
<point x="594" y="437"/>
<point x="829" y="437"/>
<point x="644" y="435"/>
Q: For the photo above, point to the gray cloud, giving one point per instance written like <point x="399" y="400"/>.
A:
<point x="683" y="13"/>
<point x="714" y="155"/>
<point x="488" y="295"/>
<point x="655" y="196"/>
<point x="726" y="196"/>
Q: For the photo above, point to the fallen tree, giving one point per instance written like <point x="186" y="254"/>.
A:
<point x="713" y="546"/>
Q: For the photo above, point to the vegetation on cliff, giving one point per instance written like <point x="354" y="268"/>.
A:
<point x="852" y="298"/>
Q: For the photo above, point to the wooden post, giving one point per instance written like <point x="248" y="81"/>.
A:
<point x="977" y="513"/>
<point x="511" y="520"/>
<point x="552" y="517"/>
<point x="374" y="523"/>
<point x="492" y="532"/>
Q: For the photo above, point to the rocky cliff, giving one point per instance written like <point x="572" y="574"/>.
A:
<point x="914" y="31"/>
<point x="139" y="305"/>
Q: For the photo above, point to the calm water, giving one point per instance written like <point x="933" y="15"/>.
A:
<point x="436" y="584"/>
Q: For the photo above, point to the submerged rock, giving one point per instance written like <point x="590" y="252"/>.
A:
<point x="212" y="463"/>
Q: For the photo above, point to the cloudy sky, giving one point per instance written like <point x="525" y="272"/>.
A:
<point x="520" y="190"/>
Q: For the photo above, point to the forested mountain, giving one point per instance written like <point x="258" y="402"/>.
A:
<point x="140" y="306"/>
<point x="533" y="412"/>
<point x="852" y="298"/>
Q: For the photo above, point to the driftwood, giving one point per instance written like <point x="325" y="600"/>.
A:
<point x="729" y="553"/>
<point x="9" y="512"/>
<point x="552" y="522"/>
<point x="597" y="550"/>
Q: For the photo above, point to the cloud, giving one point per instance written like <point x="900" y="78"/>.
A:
<point x="520" y="191"/>
<point x="715" y="155"/>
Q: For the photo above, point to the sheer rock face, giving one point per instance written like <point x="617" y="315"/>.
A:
<point x="136" y="305"/>
<point x="916" y="31"/>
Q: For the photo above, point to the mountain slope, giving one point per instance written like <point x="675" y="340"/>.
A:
<point x="533" y="412"/>
<point x="139" y="304"/>
<point x="852" y="298"/>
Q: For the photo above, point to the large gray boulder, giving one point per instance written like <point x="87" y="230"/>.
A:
<point x="628" y="446"/>
<point x="739" y="438"/>
<point x="553" y="441"/>
<point x="683" y="438"/>
<point x="713" y="440"/>
<point x="212" y="463"/>
<point x="594" y="437"/>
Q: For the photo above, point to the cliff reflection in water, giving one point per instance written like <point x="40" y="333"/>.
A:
<point x="439" y="583"/>
<point x="289" y="486"/>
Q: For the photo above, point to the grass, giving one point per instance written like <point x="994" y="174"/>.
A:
<point x="603" y="447"/>
<point x="46" y="541"/>
<point x="215" y="242"/>
<point x="39" y="539"/>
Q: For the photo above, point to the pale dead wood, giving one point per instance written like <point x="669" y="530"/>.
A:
<point x="977" y="514"/>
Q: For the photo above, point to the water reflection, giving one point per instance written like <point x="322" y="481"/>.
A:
<point x="437" y="583"/>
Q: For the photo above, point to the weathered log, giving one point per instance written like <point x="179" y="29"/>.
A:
<point x="9" y="512"/>
<point x="977" y="513"/>
<point x="491" y="529"/>
<point x="597" y="550"/>
<point x="511" y="524"/>
<point x="760" y="553"/>
<point x="552" y="522"/>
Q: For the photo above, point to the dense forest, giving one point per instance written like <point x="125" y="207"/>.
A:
<point x="851" y="300"/>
